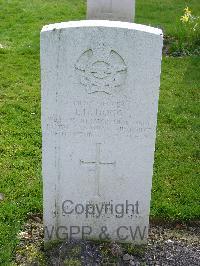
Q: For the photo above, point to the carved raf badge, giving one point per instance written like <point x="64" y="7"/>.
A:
<point x="101" y="70"/>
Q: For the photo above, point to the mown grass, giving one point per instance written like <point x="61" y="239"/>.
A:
<point x="164" y="14"/>
<point x="176" y="190"/>
<point x="175" y="187"/>
<point x="179" y="37"/>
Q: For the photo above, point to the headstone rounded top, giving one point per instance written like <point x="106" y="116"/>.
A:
<point x="102" y="23"/>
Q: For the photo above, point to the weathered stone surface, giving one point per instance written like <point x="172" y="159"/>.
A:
<point x="111" y="10"/>
<point x="1" y="196"/>
<point x="100" y="88"/>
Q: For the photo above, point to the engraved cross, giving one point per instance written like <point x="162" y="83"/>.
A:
<point x="98" y="163"/>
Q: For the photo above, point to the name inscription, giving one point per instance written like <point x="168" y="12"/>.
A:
<point x="87" y="119"/>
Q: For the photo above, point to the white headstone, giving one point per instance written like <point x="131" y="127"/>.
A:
<point x="122" y="10"/>
<point x="100" y="89"/>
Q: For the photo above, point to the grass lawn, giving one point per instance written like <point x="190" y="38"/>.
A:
<point x="176" y="190"/>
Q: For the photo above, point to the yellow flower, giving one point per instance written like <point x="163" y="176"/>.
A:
<point x="185" y="18"/>
<point x="187" y="11"/>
